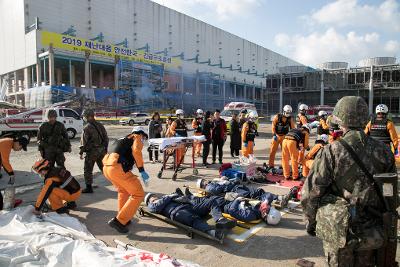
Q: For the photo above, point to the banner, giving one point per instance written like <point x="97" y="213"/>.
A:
<point x="71" y="43"/>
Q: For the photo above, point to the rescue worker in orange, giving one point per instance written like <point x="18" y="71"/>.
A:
<point x="281" y="125"/>
<point x="249" y="132"/>
<point x="309" y="158"/>
<point x="323" y="127"/>
<point x="6" y="145"/>
<point x="60" y="188"/>
<point x="295" y="141"/>
<point x="196" y="125"/>
<point x="301" y="120"/>
<point x="382" y="128"/>
<point x="118" y="164"/>
<point x="178" y="128"/>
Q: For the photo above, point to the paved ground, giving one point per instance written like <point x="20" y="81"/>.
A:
<point x="282" y="245"/>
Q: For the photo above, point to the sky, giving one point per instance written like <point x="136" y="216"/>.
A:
<point x="309" y="31"/>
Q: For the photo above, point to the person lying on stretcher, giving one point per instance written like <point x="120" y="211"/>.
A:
<point x="172" y="207"/>
<point x="240" y="208"/>
<point x="223" y="186"/>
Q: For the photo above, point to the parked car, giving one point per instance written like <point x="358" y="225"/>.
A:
<point x="136" y="118"/>
<point x="236" y="107"/>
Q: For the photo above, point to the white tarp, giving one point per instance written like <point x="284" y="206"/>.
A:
<point x="61" y="240"/>
<point x="163" y="143"/>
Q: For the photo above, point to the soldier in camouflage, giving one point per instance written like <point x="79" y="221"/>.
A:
<point x="53" y="140"/>
<point x="94" y="142"/>
<point x="349" y="229"/>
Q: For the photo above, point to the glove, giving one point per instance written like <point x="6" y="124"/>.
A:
<point x="145" y="178"/>
<point x="310" y="228"/>
<point x="245" y="144"/>
<point x="12" y="179"/>
<point x="396" y="151"/>
<point x="275" y="137"/>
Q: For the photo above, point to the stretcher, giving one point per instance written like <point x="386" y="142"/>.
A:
<point x="170" y="146"/>
<point x="190" y="231"/>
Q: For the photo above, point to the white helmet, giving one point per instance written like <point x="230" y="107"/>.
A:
<point x="307" y="127"/>
<point x="252" y="115"/>
<point x="322" y="113"/>
<point x="324" y="138"/>
<point x="287" y="109"/>
<point x="303" y="107"/>
<point x="199" y="111"/>
<point x="381" y="108"/>
<point x="140" y="130"/>
<point x="274" y="216"/>
<point x="179" y="112"/>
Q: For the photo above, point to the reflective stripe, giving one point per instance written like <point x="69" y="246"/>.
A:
<point x="67" y="182"/>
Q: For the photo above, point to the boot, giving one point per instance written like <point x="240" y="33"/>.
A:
<point x="179" y="191"/>
<point x="70" y="205"/>
<point x="219" y="234"/>
<point x="62" y="210"/>
<point x="88" y="189"/>
<point x="188" y="193"/>
<point x="224" y="223"/>
<point x="114" y="223"/>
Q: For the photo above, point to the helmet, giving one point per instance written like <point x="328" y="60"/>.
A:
<point x="140" y="130"/>
<point x="324" y="138"/>
<point x="303" y="107"/>
<point x="179" y="112"/>
<point x="381" y="108"/>
<point x="351" y="112"/>
<point x="274" y="216"/>
<point x="147" y="197"/>
<point x="199" y="112"/>
<point x="287" y="111"/>
<point x="252" y="115"/>
<point x="200" y="183"/>
<point x="307" y="127"/>
<point x="322" y="113"/>
<point x="88" y="113"/>
<point x="52" y="113"/>
<point x="40" y="164"/>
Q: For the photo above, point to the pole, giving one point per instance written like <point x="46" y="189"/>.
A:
<point x="322" y="88"/>
<point x="281" y="94"/>
<point x="371" y="91"/>
<point x="182" y="89"/>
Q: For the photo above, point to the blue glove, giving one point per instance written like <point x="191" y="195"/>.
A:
<point x="145" y="177"/>
<point x="245" y="144"/>
<point x="275" y="137"/>
<point x="396" y="151"/>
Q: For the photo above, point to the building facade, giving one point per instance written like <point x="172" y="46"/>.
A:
<point x="127" y="54"/>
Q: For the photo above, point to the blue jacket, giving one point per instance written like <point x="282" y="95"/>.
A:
<point x="166" y="206"/>
<point x="245" y="213"/>
<point x="217" y="188"/>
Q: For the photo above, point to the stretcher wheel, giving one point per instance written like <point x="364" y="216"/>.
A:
<point x="190" y="234"/>
<point x="195" y="171"/>
<point x="159" y="174"/>
<point x="174" y="177"/>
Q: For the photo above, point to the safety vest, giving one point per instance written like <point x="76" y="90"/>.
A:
<point x="123" y="147"/>
<point x="298" y="121"/>
<point x="379" y="130"/>
<point x="181" y="128"/>
<point x="321" y="130"/>
<point x="199" y="121"/>
<point x="281" y="127"/>
<point x="251" y="133"/>
<point x="296" y="134"/>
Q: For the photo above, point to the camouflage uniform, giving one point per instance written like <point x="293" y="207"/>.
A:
<point x="53" y="142"/>
<point x="335" y="174"/>
<point x="94" y="142"/>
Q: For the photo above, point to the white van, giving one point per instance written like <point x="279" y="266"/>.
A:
<point x="70" y="118"/>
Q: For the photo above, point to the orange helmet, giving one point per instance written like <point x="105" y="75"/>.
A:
<point x="40" y="164"/>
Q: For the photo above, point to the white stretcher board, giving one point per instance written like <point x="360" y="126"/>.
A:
<point x="164" y="143"/>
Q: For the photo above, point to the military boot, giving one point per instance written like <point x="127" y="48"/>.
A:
<point x="88" y="189"/>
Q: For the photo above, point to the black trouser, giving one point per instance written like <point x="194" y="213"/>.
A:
<point x="206" y="151"/>
<point x="1" y="201"/>
<point x="213" y="205"/>
<point x="187" y="217"/>
<point x="217" y="144"/>
<point x="150" y="149"/>
<point x="234" y="152"/>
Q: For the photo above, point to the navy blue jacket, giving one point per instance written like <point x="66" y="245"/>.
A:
<point x="166" y="206"/>
<point x="245" y="213"/>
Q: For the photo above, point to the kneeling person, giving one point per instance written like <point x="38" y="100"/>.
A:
<point x="60" y="187"/>
<point x="309" y="158"/>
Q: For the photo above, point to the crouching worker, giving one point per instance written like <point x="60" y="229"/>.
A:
<point x="309" y="158"/>
<point x="118" y="164"/>
<point x="248" y="211"/>
<point x="169" y="207"/>
<point x="60" y="188"/>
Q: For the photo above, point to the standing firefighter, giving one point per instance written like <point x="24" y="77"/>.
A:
<point x="118" y="164"/>
<point x="281" y="125"/>
<point x="302" y="118"/>
<point x="381" y="128"/>
<point x="196" y="125"/>
<point x="178" y="128"/>
<point x="323" y="127"/>
<point x="53" y="140"/>
<point x="94" y="142"/>
<point x="249" y="132"/>
<point x="343" y="202"/>
<point x="6" y="145"/>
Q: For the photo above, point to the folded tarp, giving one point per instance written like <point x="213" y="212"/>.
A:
<point x="60" y="240"/>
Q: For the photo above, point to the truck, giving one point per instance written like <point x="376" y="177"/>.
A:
<point x="27" y="123"/>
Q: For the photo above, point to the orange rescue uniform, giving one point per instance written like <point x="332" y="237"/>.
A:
<point x="196" y="125"/>
<point x="280" y="127"/>
<point x="385" y="134"/>
<point x="130" y="190"/>
<point x="290" y="151"/>
<point x="6" y="144"/>
<point x="248" y="135"/>
<point x="178" y="127"/>
<point x="309" y="158"/>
